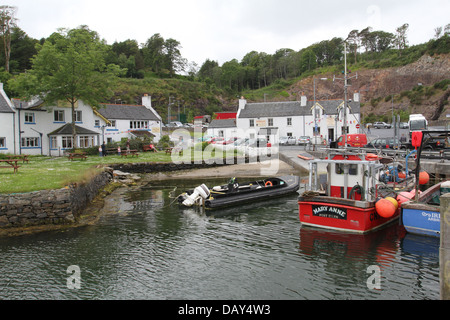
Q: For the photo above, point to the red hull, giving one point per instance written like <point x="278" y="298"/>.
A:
<point x="343" y="217"/>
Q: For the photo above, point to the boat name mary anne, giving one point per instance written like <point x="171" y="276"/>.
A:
<point x="329" y="212"/>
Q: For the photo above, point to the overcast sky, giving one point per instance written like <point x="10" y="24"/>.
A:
<point x="222" y="30"/>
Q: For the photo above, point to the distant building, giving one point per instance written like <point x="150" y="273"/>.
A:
<point x="323" y="119"/>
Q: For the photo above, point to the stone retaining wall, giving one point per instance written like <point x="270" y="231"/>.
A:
<point x="48" y="207"/>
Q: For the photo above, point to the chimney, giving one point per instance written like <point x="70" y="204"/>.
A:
<point x="147" y="101"/>
<point x="242" y="103"/>
<point x="303" y="100"/>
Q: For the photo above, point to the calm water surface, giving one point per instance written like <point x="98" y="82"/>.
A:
<point x="145" y="247"/>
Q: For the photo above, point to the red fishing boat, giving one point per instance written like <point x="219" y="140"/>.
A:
<point x="351" y="191"/>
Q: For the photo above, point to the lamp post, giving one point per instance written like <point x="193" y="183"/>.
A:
<point x="315" y="114"/>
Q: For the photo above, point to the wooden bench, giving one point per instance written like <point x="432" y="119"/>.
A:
<point x="132" y="153"/>
<point x="73" y="156"/>
<point x="169" y="150"/>
<point x="12" y="164"/>
<point x="23" y="157"/>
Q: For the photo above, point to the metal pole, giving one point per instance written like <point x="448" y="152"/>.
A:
<point x="345" y="96"/>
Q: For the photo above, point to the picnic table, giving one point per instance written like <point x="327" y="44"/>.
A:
<point x="132" y="153"/>
<point x="12" y="163"/>
<point x="150" y="148"/>
<point x="77" y="155"/>
<point x="23" y="157"/>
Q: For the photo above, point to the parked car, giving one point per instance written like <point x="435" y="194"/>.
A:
<point x="384" y="143"/>
<point x="258" y="143"/>
<point x="215" y="140"/>
<point x="303" y="140"/>
<point x="381" y="125"/>
<point x="403" y="125"/>
<point x="241" y="142"/>
<point x="288" y="141"/>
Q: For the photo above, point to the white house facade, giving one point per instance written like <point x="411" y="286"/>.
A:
<point x="7" y="117"/>
<point x="34" y="129"/>
<point x="323" y="119"/>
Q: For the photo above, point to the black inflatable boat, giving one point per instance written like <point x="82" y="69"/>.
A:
<point x="235" y="193"/>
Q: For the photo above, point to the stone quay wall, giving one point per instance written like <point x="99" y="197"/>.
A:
<point x="50" y="207"/>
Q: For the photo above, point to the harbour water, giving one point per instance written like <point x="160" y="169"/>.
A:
<point x="146" y="247"/>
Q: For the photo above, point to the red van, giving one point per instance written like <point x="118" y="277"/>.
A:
<point x="353" y="140"/>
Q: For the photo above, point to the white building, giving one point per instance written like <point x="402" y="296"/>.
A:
<point x="128" y="121"/>
<point x="323" y="119"/>
<point x="7" y="120"/>
<point x="225" y="128"/>
<point x="35" y="129"/>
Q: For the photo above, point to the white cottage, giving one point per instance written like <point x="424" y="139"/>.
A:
<point x="128" y="121"/>
<point x="272" y="120"/>
<point x="7" y="117"/>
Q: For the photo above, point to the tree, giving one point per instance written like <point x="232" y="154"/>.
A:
<point x="68" y="68"/>
<point x="401" y="40"/>
<point x="7" y="23"/>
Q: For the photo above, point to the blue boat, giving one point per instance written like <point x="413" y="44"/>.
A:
<point x="423" y="216"/>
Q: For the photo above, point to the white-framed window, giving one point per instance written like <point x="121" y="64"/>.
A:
<point x="67" y="142"/>
<point x="29" y="142"/>
<point x="138" y="124"/>
<point x="29" y="117"/>
<point x="112" y="124"/>
<point x="270" y="122"/>
<point x="78" y="116"/>
<point x="58" y="116"/>
<point x="86" y="141"/>
<point x="96" y="123"/>
<point x="54" y="142"/>
<point x="2" y="142"/>
<point x="252" y="122"/>
<point x="289" y="121"/>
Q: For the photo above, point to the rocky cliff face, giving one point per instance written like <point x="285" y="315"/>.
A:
<point x="377" y="85"/>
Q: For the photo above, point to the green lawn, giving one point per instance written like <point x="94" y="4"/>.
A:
<point x="43" y="173"/>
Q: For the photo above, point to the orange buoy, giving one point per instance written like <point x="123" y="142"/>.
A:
<point x="385" y="208"/>
<point x="395" y="202"/>
<point x="424" y="177"/>
<point x="269" y="184"/>
<point x="402" y="175"/>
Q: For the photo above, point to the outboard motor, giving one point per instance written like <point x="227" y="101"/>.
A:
<point x="199" y="192"/>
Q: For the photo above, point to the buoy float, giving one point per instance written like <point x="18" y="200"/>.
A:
<point x="424" y="177"/>
<point x="402" y="175"/>
<point x="269" y="184"/>
<point x="385" y="208"/>
<point x="404" y="197"/>
<point x="395" y="202"/>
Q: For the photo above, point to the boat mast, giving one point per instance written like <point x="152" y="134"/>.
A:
<point x="345" y="95"/>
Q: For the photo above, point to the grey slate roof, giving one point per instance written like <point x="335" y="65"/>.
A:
<point x="225" y="123"/>
<point x="67" y="130"/>
<point x="293" y="108"/>
<point x="4" y="106"/>
<point x="126" y="112"/>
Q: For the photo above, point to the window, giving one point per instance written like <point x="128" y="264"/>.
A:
<point x="67" y="142"/>
<point x="138" y="124"/>
<point x="86" y="141"/>
<point x="30" y="142"/>
<point x="2" y="142"/>
<point x="78" y="116"/>
<point x="289" y="121"/>
<point x="97" y="123"/>
<point x="29" y="117"/>
<point x="58" y="116"/>
<point x="270" y="122"/>
<point x="252" y="123"/>
<point x="353" y="169"/>
<point x="112" y="124"/>
<point x="289" y="134"/>
<point x="53" y="142"/>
